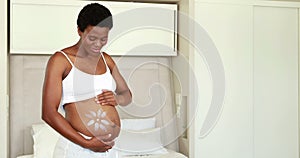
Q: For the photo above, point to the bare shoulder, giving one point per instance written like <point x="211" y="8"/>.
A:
<point x="58" y="61"/>
<point x="109" y="60"/>
<point x="57" y="58"/>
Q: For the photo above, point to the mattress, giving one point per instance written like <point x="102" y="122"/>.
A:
<point x="170" y="154"/>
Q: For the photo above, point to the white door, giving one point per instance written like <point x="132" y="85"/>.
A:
<point x="259" y="50"/>
<point x="230" y="28"/>
<point x="275" y="82"/>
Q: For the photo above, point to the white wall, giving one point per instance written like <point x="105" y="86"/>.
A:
<point x="3" y="81"/>
<point x="181" y="66"/>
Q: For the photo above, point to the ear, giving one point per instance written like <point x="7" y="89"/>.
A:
<point x="79" y="32"/>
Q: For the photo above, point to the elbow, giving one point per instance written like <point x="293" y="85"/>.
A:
<point x="130" y="94"/>
<point x="128" y="99"/>
<point x="47" y="115"/>
<point x="124" y="98"/>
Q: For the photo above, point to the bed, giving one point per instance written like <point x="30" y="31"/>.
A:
<point x="153" y="95"/>
<point x="139" y="138"/>
<point x="170" y="154"/>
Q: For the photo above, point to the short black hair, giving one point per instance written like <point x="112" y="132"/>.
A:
<point x="94" y="14"/>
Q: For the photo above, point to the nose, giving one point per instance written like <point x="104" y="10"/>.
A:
<point x="98" y="43"/>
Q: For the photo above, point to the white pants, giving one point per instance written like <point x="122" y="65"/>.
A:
<point x="67" y="149"/>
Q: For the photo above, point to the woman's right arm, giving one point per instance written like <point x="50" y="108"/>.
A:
<point x="52" y="92"/>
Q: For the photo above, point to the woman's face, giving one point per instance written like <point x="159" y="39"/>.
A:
<point x="94" y="38"/>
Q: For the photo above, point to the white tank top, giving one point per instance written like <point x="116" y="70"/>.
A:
<point x="78" y="85"/>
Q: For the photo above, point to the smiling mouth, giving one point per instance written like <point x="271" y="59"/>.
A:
<point x="96" y="50"/>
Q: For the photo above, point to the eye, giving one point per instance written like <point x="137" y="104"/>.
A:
<point x="103" y="39"/>
<point x="91" y="38"/>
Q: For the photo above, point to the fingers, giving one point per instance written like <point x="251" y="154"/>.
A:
<point x="104" y="138"/>
<point x="98" y="145"/>
<point x="102" y="149"/>
<point x="106" y="98"/>
<point x="109" y="143"/>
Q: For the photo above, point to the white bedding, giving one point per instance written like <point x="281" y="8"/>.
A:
<point x="170" y="154"/>
<point x="146" y="136"/>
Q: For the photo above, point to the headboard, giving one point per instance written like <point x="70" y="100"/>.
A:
<point x="149" y="79"/>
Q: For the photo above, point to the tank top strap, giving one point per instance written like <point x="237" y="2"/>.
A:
<point x="67" y="57"/>
<point x="104" y="61"/>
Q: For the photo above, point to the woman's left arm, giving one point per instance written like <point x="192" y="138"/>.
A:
<point x="122" y="95"/>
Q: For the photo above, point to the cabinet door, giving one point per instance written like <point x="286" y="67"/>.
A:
<point x="43" y="27"/>
<point x="275" y="82"/>
<point x="230" y="28"/>
<point x="143" y="29"/>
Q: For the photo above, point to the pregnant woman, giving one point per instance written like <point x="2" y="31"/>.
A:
<point x="85" y="83"/>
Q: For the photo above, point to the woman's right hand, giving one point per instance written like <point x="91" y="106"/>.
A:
<point x="98" y="144"/>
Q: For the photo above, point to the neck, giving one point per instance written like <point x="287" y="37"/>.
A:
<point x="81" y="52"/>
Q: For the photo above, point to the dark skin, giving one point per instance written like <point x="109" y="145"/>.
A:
<point x="84" y="53"/>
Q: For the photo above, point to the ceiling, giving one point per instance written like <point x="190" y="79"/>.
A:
<point x="148" y="1"/>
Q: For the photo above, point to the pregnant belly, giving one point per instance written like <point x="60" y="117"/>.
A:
<point x="92" y="119"/>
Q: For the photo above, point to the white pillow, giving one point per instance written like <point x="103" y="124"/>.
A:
<point x="142" y="142"/>
<point x="44" y="139"/>
<point x="138" y="124"/>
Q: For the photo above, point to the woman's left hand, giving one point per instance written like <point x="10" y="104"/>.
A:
<point x="106" y="98"/>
